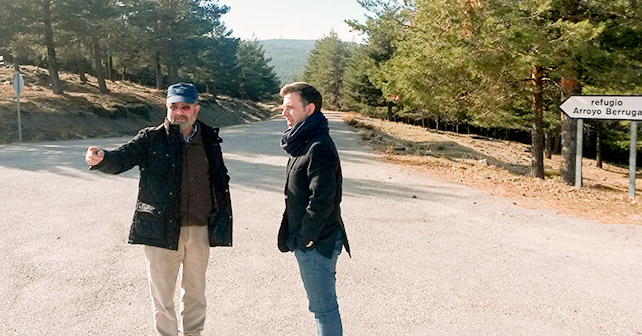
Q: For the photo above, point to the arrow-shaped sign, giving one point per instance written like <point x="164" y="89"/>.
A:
<point x="603" y="107"/>
<point x="18" y="83"/>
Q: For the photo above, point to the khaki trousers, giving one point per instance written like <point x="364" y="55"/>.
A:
<point x="163" y="267"/>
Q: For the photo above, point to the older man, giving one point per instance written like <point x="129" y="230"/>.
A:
<point x="312" y="225"/>
<point x="183" y="205"/>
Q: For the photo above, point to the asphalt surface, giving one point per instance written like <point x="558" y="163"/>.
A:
<point x="429" y="257"/>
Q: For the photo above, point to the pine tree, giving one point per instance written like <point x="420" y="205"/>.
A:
<point x="325" y="67"/>
<point x="358" y="91"/>
<point x="257" y="78"/>
<point x="177" y="35"/>
<point x="92" y="22"/>
<point x="216" y="67"/>
<point x="38" y="18"/>
<point x="382" y="30"/>
<point x="7" y="31"/>
<point x="429" y="69"/>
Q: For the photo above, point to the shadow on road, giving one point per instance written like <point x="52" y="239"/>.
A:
<point x="252" y="154"/>
<point x="61" y="157"/>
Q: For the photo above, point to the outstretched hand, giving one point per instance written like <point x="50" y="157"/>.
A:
<point x="94" y="155"/>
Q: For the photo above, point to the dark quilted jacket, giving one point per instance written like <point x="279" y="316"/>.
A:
<point x="157" y="151"/>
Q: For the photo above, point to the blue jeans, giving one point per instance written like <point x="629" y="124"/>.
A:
<point x="318" y="274"/>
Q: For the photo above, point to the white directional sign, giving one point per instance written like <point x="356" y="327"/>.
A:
<point x="18" y="83"/>
<point x="603" y="107"/>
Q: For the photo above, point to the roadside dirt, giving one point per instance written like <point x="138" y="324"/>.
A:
<point x="83" y="112"/>
<point x="503" y="168"/>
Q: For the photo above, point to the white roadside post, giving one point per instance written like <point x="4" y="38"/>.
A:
<point x="18" y="83"/>
<point x="633" y="151"/>
<point x="609" y="108"/>
<point x="579" y="152"/>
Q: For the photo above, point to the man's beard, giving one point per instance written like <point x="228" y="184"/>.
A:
<point x="182" y="125"/>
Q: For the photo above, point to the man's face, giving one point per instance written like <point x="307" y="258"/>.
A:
<point x="182" y="114"/>
<point x="294" y="110"/>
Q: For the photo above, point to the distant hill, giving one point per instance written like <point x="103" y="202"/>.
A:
<point x="288" y="57"/>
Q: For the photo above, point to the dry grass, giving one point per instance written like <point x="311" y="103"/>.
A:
<point x="503" y="168"/>
<point x="83" y="112"/>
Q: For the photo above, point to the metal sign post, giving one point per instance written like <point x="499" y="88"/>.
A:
<point x="633" y="151"/>
<point x="579" y="153"/>
<point x="18" y="83"/>
<point x="610" y="108"/>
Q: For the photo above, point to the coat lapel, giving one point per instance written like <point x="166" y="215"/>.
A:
<point x="291" y="162"/>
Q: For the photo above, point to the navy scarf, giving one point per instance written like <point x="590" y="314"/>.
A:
<point x="295" y="138"/>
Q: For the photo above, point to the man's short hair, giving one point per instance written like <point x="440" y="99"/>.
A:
<point x="308" y="93"/>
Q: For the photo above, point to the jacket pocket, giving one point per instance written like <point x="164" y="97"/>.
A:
<point x="148" y="208"/>
<point x="284" y="234"/>
<point x="160" y="163"/>
<point x="220" y="228"/>
<point x="149" y="222"/>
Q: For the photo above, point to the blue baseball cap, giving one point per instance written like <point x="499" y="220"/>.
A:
<point x="182" y="93"/>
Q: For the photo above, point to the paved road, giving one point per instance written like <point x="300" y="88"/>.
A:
<point x="430" y="257"/>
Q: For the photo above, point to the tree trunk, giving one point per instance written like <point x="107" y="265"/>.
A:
<point x="52" y="62"/>
<point x="171" y="79"/>
<point x="537" y="133"/>
<point x="81" y="70"/>
<point x="122" y="77"/>
<point x="110" y="68"/>
<point x="80" y="66"/>
<point x="390" y="115"/>
<point x="570" y="86"/>
<point x="557" y="143"/>
<point x="159" y="74"/>
<point x="548" y="145"/>
<point x="99" y="67"/>
<point x="172" y="66"/>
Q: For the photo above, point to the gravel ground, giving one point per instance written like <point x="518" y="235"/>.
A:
<point x="430" y="257"/>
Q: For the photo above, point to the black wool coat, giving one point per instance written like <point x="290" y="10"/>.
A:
<point x="312" y="199"/>
<point x="158" y="152"/>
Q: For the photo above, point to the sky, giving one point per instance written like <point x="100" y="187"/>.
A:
<point x="292" y="19"/>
